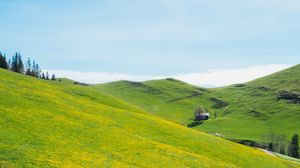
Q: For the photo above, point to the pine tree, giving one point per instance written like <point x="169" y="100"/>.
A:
<point x="33" y="68"/>
<point x="6" y="65"/>
<point x="43" y="76"/>
<point x="53" y="77"/>
<point x="20" y="64"/>
<point x="3" y="62"/>
<point x="28" y="68"/>
<point x="14" y="63"/>
<point x="9" y="64"/>
<point x="38" y="71"/>
<point x="47" y="76"/>
<point x="294" y="146"/>
<point x="17" y="63"/>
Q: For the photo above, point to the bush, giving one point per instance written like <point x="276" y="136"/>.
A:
<point x="290" y="97"/>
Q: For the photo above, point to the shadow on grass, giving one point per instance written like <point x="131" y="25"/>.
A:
<point x="194" y="124"/>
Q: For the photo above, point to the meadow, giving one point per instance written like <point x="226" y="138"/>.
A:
<point x="243" y="111"/>
<point x="59" y="124"/>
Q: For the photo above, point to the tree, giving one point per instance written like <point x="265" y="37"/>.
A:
<point x="34" y="68"/>
<point x="37" y="71"/>
<point x="270" y="146"/>
<point x="3" y="62"/>
<point x="281" y="141"/>
<point x="269" y="140"/>
<point x="17" y="63"/>
<point x="294" y="146"/>
<point x="20" y="64"/>
<point x="47" y="76"/>
<point x="9" y="64"/>
<point x="28" y="68"/>
<point x="53" y="77"/>
<point x="43" y="76"/>
<point x="14" y="63"/>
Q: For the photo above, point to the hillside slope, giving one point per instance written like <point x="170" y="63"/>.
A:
<point x="244" y="111"/>
<point x="259" y="107"/>
<point x="171" y="99"/>
<point x="52" y="124"/>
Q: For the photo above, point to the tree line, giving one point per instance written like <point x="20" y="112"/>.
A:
<point x="280" y="144"/>
<point x="31" y="68"/>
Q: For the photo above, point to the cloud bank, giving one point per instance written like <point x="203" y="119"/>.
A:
<point x="209" y="78"/>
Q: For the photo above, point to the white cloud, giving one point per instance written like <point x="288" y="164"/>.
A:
<point x="209" y="78"/>
<point x="222" y="77"/>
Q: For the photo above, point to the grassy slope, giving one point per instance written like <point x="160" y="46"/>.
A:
<point x="51" y="124"/>
<point x="170" y="99"/>
<point x="252" y="111"/>
<point x="287" y="157"/>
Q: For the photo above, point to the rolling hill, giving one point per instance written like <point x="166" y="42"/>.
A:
<point x="56" y="124"/>
<point x="244" y="111"/>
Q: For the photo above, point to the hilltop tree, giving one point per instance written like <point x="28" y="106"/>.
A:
<point x="17" y="63"/>
<point x="3" y="62"/>
<point x="37" y="71"/>
<point x="9" y="64"/>
<point x="47" y="76"/>
<point x="53" y="77"/>
<point x="43" y="76"/>
<point x="34" y="68"/>
<point x="28" y="68"/>
<point x="294" y="146"/>
<point x="14" y="66"/>
<point x="20" y="64"/>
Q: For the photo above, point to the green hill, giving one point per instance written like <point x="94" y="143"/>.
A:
<point x="244" y="111"/>
<point x="260" y="106"/>
<point x="169" y="98"/>
<point x="52" y="124"/>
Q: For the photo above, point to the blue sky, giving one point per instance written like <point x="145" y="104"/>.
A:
<point x="157" y="37"/>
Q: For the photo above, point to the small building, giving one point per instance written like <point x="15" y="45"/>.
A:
<point x="202" y="116"/>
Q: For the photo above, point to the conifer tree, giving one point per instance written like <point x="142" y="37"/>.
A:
<point x="47" y="76"/>
<point x="33" y="68"/>
<point x="17" y="63"/>
<point x="9" y="64"/>
<point x="14" y="63"/>
<point x="38" y="71"/>
<point x="3" y="62"/>
<point x="28" y="68"/>
<point x="20" y="64"/>
<point x="294" y="146"/>
<point x="53" y="77"/>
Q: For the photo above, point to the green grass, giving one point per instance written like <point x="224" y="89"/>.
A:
<point x="169" y="99"/>
<point x="287" y="158"/>
<point x="53" y="124"/>
<point x="253" y="108"/>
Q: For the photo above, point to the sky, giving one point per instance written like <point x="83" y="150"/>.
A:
<point x="211" y="43"/>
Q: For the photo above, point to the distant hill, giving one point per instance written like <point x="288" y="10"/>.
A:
<point x="56" y="124"/>
<point x="169" y="98"/>
<point x="288" y="79"/>
<point x="244" y="111"/>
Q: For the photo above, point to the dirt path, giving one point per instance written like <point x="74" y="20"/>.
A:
<point x="267" y="152"/>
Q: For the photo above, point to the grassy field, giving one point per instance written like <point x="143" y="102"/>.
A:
<point x="287" y="158"/>
<point x="244" y="111"/>
<point x="56" y="124"/>
<point x="170" y="99"/>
